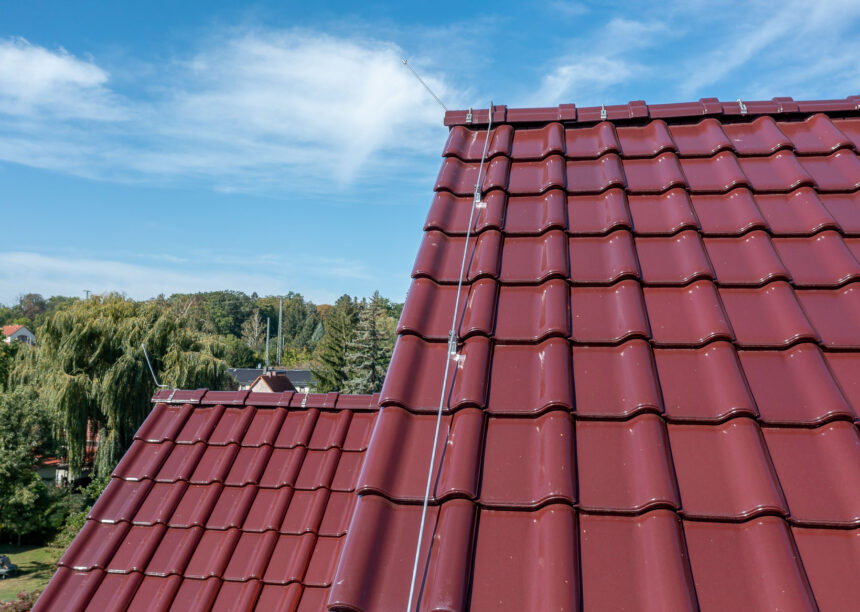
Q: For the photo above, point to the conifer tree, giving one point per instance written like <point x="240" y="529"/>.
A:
<point x="339" y="325"/>
<point x="367" y="358"/>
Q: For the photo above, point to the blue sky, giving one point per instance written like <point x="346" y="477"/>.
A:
<point x="161" y="147"/>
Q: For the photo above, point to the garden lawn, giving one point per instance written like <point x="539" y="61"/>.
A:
<point x="36" y="565"/>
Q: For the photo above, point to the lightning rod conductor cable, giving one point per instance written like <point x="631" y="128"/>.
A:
<point x="452" y="354"/>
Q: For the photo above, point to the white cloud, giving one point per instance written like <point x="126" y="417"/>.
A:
<point x="35" y="80"/>
<point x="71" y="275"/>
<point x="249" y="110"/>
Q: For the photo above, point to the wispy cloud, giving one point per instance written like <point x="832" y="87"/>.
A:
<point x="250" y="109"/>
<point x="71" y="275"/>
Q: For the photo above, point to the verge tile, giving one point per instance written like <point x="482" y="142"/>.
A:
<point x="380" y="550"/>
<point x="120" y="500"/>
<point x="450" y="214"/>
<point x="142" y="460"/>
<point x="398" y="459"/>
<point x="468" y="145"/>
<point x="440" y="257"/>
<point x="69" y="590"/>
<point x="94" y="546"/>
<point x="460" y="177"/>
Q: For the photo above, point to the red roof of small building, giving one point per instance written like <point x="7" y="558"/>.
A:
<point x="654" y="402"/>
<point x="8" y="330"/>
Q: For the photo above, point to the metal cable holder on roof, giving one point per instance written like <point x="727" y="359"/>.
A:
<point x="452" y="355"/>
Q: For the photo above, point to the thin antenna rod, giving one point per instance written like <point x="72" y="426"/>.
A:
<point x="151" y="371"/>
<point x="426" y="86"/>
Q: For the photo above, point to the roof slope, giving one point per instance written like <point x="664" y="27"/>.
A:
<point x="654" y="403"/>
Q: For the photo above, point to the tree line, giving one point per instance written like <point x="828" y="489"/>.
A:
<point x="88" y="373"/>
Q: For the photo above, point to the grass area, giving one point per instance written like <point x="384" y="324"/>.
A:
<point x="36" y="565"/>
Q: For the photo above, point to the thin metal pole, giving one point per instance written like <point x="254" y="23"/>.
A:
<point x="280" y="337"/>
<point x="426" y="86"/>
<point x="268" y="319"/>
<point x="452" y="351"/>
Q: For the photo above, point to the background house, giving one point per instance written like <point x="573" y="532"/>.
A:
<point x="18" y="333"/>
<point x="301" y="380"/>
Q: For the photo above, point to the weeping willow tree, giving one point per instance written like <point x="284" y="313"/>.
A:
<point x="90" y="370"/>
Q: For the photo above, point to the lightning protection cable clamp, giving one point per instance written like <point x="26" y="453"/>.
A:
<point x="452" y="355"/>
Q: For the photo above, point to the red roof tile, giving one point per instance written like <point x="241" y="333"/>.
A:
<point x="653" y="401"/>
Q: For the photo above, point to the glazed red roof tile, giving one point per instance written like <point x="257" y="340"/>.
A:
<point x="603" y="259"/>
<point x="595" y="176"/>
<point x="664" y="214"/>
<point x="615" y="381"/>
<point x="716" y="174"/>
<point x="598" y="214"/>
<point x="633" y="454"/>
<point x="845" y="209"/>
<point x="533" y="313"/>
<point x="761" y="136"/>
<point x="822" y="260"/>
<point x="528" y="379"/>
<point x="646" y="141"/>
<point x="673" y="260"/>
<point x="767" y="317"/>
<point x="538" y="143"/>
<point x="799" y="212"/>
<point x="838" y="172"/>
<point x="397" y="466"/>
<point x="814" y="468"/>
<point x="428" y="308"/>
<point x="652" y="403"/>
<point x="846" y="369"/>
<point x="528" y="178"/>
<point x="747" y="260"/>
<point x="439" y="256"/>
<point x="608" y="314"/>
<point x="704" y="384"/>
<point x="830" y="310"/>
<point x="751" y="564"/>
<point x="637" y="562"/>
<point x="690" y="315"/>
<point x="730" y="214"/>
<point x="780" y="172"/>
<point x="794" y="386"/>
<point x="468" y="145"/>
<point x="701" y="139"/>
<point x="526" y="260"/>
<point x="724" y="470"/>
<point x="815" y="136"/>
<point x="831" y="561"/>
<point x="591" y="142"/>
<point x="535" y="214"/>
<point x="450" y="214"/>
<point x="527" y="467"/>
<point x="654" y="175"/>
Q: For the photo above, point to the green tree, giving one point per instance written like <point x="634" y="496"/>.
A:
<point x="7" y="359"/>
<point x="367" y="358"/>
<point x="90" y="370"/>
<point x="26" y="505"/>
<point x="339" y="324"/>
